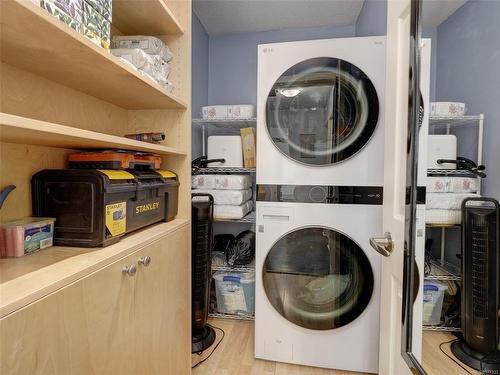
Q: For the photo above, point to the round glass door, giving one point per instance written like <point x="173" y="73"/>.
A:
<point x="322" y="111"/>
<point x="318" y="278"/>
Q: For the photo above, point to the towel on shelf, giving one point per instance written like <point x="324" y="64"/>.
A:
<point x="227" y="197"/>
<point x="446" y="201"/>
<point x="443" y="216"/>
<point x="452" y="185"/>
<point x="232" y="212"/>
<point x="221" y="182"/>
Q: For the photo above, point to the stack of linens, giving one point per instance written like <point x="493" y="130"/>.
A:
<point x="445" y="196"/>
<point x="232" y="194"/>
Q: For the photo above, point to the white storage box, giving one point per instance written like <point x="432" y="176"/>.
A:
<point x="441" y="147"/>
<point x="23" y="237"/>
<point x="227" y="197"/>
<point x="447" y="109"/>
<point x="228" y="147"/>
<point x="235" y="292"/>
<point x="242" y="111"/>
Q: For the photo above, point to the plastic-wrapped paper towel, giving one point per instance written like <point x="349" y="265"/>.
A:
<point x="227" y="197"/>
<point x="232" y="212"/>
<point x="149" y="44"/>
<point x="152" y="65"/>
<point x="221" y="182"/>
<point x="452" y="185"/>
<point x="446" y="201"/>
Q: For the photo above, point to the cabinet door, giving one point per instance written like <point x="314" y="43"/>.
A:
<point x="163" y="306"/>
<point x="85" y="328"/>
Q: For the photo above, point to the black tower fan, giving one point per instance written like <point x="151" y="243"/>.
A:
<point x="202" y="208"/>
<point x="480" y="347"/>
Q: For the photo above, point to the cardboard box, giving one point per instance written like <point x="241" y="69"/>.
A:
<point x="105" y="32"/>
<point x="248" y="144"/>
<point x="107" y="9"/>
<point x="92" y="21"/>
<point x="69" y="11"/>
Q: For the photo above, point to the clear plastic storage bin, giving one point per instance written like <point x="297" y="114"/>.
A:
<point x="433" y="302"/>
<point x="235" y="292"/>
<point x="23" y="237"/>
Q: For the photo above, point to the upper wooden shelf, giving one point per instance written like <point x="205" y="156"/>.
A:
<point x="33" y="40"/>
<point x="15" y="129"/>
<point x="144" y="17"/>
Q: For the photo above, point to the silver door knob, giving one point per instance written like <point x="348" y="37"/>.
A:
<point x="144" y="261"/>
<point x="383" y="245"/>
<point x="129" y="270"/>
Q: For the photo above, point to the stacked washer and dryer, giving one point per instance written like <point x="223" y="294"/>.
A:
<point x="320" y="134"/>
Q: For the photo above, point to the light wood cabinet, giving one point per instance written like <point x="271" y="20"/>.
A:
<point x="109" y="322"/>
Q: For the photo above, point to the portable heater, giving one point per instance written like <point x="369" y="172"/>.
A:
<point x="480" y="347"/>
<point x="201" y="250"/>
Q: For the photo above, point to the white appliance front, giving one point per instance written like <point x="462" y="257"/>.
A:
<point x="318" y="285"/>
<point x="320" y="112"/>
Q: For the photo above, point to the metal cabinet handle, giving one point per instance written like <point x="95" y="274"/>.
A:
<point x="383" y="245"/>
<point x="129" y="270"/>
<point x="144" y="261"/>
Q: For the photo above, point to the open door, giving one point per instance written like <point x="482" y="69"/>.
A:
<point x="400" y="188"/>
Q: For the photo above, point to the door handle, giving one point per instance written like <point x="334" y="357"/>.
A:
<point x="383" y="245"/>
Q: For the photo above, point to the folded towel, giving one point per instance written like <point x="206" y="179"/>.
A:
<point x="221" y="182"/>
<point x="446" y="201"/>
<point x="443" y="216"/>
<point x="452" y="185"/>
<point x="232" y="212"/>
<point x="227" y="197"/>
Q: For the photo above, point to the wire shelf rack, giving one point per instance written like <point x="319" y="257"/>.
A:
<point x="218" y="315"/>
<point x="249" y="218"/>
<point x="225" y="170"/>
<point x="249" y="268"/>
<point x="443" y="271"/>
<point x="441" y="328"/>
<point x="450" y="173"/>
<point x="226" y="123"/>
<point x="455" y="120"/>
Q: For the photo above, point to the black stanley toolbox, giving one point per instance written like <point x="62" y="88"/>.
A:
<point x="96" y="207"/>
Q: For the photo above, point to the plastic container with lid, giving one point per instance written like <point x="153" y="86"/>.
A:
<point x="235" y="292"/>
<point x="26" y="236"/>
<point x="433" y="302"/>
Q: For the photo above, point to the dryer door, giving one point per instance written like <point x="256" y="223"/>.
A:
<point x="318" y="278"/>
<point x="322" y="111"/>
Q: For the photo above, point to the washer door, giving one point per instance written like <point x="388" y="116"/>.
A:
<point x="322" y="111"/>
<point x="318" y="278"/>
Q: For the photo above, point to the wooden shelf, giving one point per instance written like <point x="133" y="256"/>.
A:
<point x="29" y="278"/>
<point x="15" y="129"/>
<point x="35" y="41"/>
<point x="144" y="17"/>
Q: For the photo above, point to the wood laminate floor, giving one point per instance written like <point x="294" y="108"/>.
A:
<point x="435" y="362"/>
<point x="235" y="355"/>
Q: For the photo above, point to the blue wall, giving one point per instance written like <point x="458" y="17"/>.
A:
<point x="372" y="20"/>
<point x="199" y="77"/>
<point x="232" y="77"/>
<point x="468" y="62"/>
